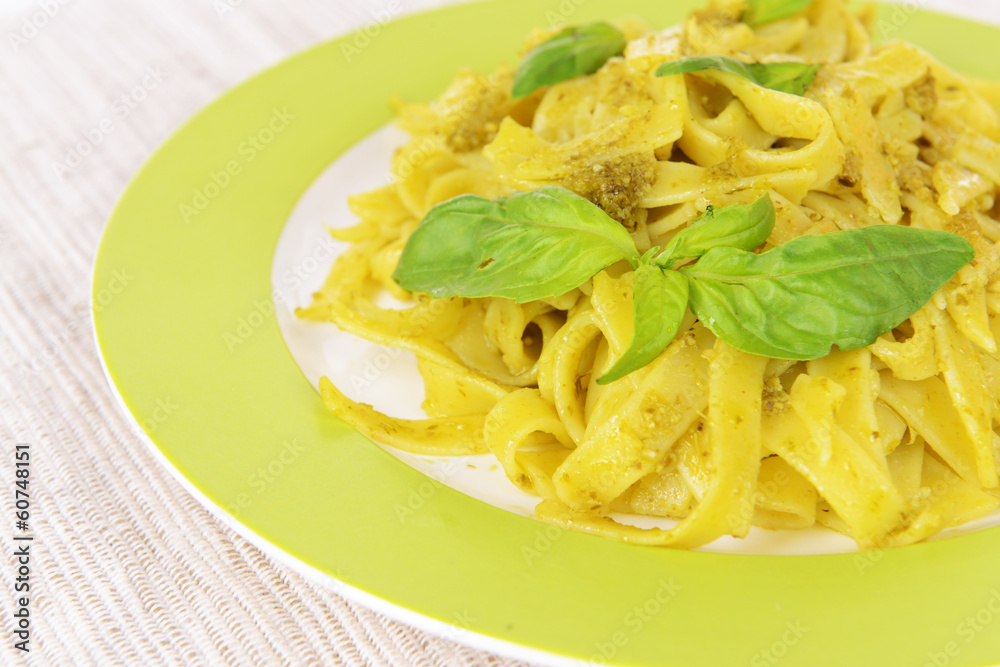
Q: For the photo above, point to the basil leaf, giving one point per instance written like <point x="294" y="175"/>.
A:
<point x="793" y="78"/>
<point x="765" y="11"/>
<point x="531" y="245"/>
<point x="658" y="306"/>
<point x="571" y="53"/>
<point x="845" y="288"/>
<point x="744" y="227"/>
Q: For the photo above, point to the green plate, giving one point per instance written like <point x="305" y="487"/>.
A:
<point x="184" y="322"/>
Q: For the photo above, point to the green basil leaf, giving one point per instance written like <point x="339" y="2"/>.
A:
<point x="571" y="53"/>
<point x="844" y="288"/>
<point x="793" y="78"/>
<point x="743" y="227"/>
<point x="531" y="245"/>
<point x="765" y="11"/>
<point x="659" y="303"/>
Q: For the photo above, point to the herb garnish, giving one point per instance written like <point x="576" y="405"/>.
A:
<point x="794" y="78"/>
<point x="573" y="52"/>
<point x="794" y="301"/>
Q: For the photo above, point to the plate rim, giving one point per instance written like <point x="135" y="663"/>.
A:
<point x="325" y="580"/>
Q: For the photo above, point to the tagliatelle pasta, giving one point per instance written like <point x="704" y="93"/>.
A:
<point x="889" y="444"/>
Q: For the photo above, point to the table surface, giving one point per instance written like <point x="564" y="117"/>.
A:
<point x="128" y="568"/>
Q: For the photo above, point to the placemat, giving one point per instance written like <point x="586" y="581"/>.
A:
<point x="126" y="568"/>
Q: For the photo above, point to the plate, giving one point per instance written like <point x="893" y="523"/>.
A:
<point x="184" y="318"/>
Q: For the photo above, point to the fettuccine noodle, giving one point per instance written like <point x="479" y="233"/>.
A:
<point x="889" y="444"/>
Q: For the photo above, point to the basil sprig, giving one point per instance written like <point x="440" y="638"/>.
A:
<point x="531" y="245"/>
<point x="765" y="11"/>
<point x="659" y="301"/>
<point x="792" y="302"/>
<point x="744" y="227"/>
<point x="794" y="78"/>
<point x="844" y="288"/>
<point x="571" y="53"/>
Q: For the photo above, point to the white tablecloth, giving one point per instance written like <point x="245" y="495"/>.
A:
<point x="127" y="568"/>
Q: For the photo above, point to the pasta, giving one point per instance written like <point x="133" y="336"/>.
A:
<point x="889" y="444"/>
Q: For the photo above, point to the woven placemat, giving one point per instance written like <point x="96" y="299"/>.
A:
<point x="126" y="568"/>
